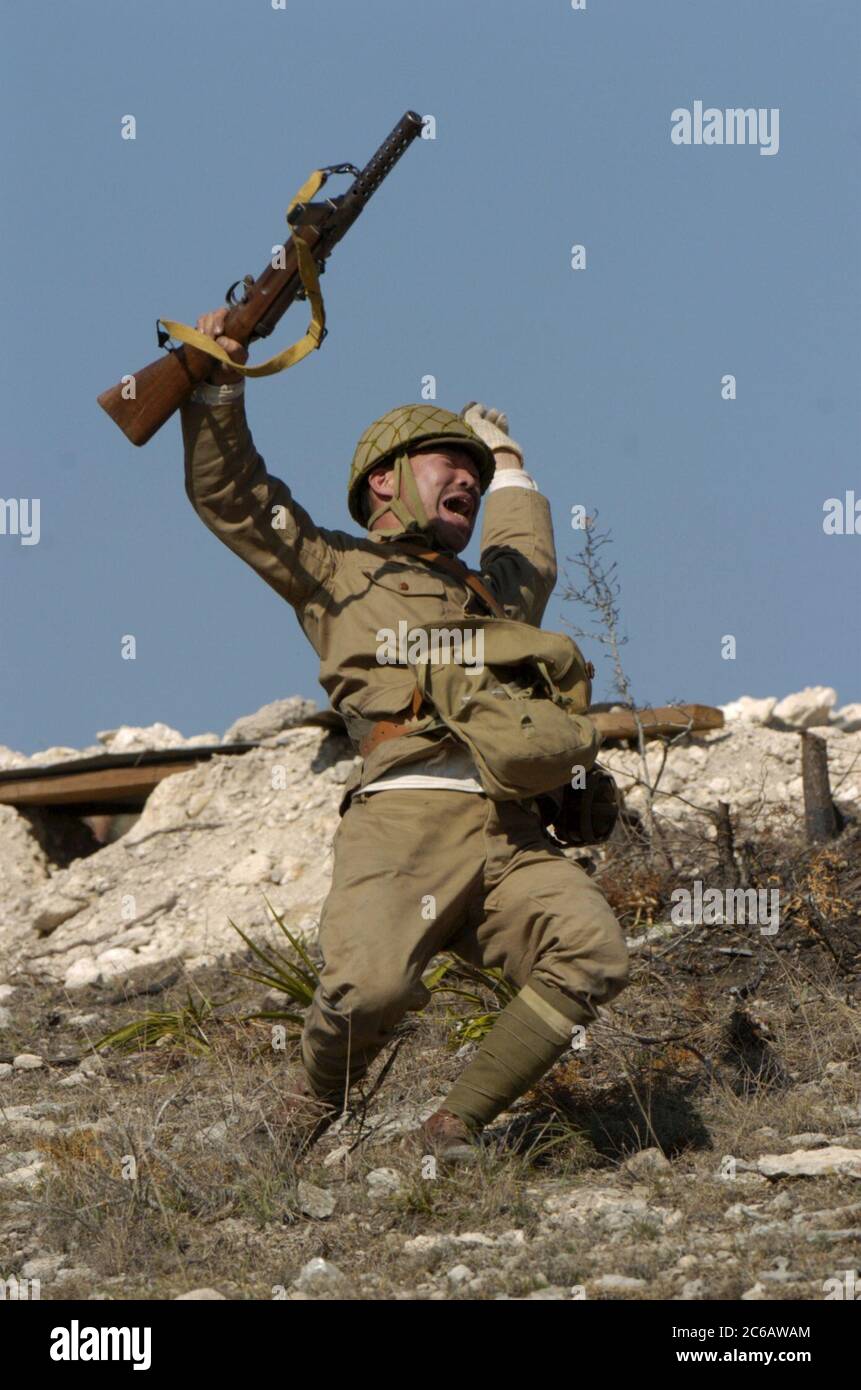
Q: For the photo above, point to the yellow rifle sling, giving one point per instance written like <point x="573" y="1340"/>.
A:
<point x="311" y="285"/>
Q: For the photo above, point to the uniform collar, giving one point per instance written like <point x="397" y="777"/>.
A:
<point x="425" y="537"/>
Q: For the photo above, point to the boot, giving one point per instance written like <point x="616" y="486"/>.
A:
<point x="447" y="1137"/>
<point x="304" y="1116"/>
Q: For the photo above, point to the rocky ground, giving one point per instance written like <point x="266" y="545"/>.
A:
<point x="639" y="1170"/>
<point x="704" y="1143"/>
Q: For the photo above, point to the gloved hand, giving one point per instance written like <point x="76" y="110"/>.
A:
<point x="491" y="426"/>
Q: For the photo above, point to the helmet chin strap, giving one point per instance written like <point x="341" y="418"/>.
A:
<point x="415" y="520"/>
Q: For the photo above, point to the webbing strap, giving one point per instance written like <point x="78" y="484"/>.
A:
<point x="311" y="285"/>
<point x="403" y="472"/>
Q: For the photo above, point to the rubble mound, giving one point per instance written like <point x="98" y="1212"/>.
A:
<point x="215" y="842"/>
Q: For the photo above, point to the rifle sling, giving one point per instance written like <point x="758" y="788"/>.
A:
<point x="307" y="266"/>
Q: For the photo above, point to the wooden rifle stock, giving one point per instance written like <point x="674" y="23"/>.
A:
<point x="142" y="402"/>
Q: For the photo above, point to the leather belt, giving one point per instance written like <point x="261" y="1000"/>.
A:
<point x="393" y="727"/>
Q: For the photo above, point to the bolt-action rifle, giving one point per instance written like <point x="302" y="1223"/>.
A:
<point x="142" y="402"/>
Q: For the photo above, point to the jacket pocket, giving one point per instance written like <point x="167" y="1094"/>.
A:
<point x="408" y="582"/>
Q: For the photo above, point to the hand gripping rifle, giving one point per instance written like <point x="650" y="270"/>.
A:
<point x="142" y="402"/>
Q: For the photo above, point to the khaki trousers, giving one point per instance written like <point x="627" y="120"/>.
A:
<point x="420" y="872"/>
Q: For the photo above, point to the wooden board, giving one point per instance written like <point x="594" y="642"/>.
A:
<point x="667" y="721"/>
<point x="127" y="787"/>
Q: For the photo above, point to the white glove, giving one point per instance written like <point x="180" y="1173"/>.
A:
<point x="491" y="426"/>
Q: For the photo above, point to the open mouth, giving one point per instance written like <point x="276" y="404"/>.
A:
<point x="459" y="504"/>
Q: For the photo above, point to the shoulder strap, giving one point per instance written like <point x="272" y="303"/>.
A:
<point x="460" y="571"/>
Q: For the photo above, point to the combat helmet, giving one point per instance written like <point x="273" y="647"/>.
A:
<point x="387" y="441"/>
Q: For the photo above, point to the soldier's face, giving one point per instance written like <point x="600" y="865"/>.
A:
<point x="448" y="484"/>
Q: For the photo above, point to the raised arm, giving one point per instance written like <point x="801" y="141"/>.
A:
<point x="518" y="556"/>
<point x="233" y="493"/>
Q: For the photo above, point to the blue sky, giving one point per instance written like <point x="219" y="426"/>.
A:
<point x="553" y="128"/>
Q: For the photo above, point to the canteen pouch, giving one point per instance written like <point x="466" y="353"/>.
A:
<point x="583" y="815"/>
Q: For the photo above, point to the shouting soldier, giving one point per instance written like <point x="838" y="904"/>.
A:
<point x="424" y="860"/>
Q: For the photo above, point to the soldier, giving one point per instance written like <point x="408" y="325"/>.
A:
<point x="424" y="860"/>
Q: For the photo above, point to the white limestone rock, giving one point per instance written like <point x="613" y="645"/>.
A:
<point x="25" y="865"/>
<point x="130" y="739"/>
<point x="81" y="973"/>
<point x="9" y="758"/>
<point x="57" y="910"/>
<point x="163" y="890"/>
<point x="252" y="868"/>
<point x="270" y="720"/>
<point x="812" y="1163"/>
<point x="116" y="962"/>
<point x="56" y="755"/>
<point x="809" y="708"/>
<point x="319" y="1276"/>
<point x="847" y="718"/>
<point x="749" y="710"/>
<point x="316" y="1202"/>
<point x="27" y="1061"/>
<point x="384" y="1182"/>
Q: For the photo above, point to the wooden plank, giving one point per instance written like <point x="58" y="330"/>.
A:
<point x="150" y="757"/>
<point x="125" y="786"/>
<point x="664" y="722"/>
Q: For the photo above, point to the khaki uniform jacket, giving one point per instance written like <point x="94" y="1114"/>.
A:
<point x="345" y="588"/>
